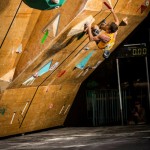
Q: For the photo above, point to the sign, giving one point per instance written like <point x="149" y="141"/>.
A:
<point x="133" y="50"/>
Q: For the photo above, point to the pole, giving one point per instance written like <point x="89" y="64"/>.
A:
<point x="120" y="98"/>
<point x="147" y="75"/>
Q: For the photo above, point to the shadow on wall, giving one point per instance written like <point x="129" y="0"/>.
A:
<point x="3" y="5"/>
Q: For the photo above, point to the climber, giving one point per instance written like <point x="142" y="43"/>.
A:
<point x="106" y="38"/>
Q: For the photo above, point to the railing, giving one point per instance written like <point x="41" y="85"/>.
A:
<point x="103" y="107"/>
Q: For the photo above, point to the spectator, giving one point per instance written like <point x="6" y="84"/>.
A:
<point x="138" y="114"/>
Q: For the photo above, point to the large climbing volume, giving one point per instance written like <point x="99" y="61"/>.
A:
<point x="43" y="4"/>
<point x="84" y="61"/>
<point x="44" y="69"/>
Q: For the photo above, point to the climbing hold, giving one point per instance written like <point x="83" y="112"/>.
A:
<point x="143" y="8"/>
<point x="124" y="22"/>
<point x="52" y="26"/>
<point x="107" y="5"/>
<point x="44" y="69"/>
<point x="147" y="3"/>
<point x="29" y="81"/>
<point x="35" y="75"/>
<point x="85" y="71"/>
<point x="19" y="49"/>
<point x="2" y="111"/>
<point x="44" y="37"/>
<point x="54" y="66"/>
<point x="13" y="117"/>
<point x="44" y="4"/>
<point x="79" y="74"/>
<point x="83" y="62"/>
<point x="97" y="64"/>
<point x="8" y="76"/>
<point x="61" y="73"/>
<point x="61" y="110"/>
<point x="66" y="109"/>
<point x="24" y="108"/>
<point x="86" y="48"/>
<point x="80" y="27"/>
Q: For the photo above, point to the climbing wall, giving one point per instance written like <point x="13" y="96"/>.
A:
<point x="45" y="56"/>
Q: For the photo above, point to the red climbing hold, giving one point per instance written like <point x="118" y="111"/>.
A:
<point x="107" y="5"/>
<point x="143" y="7"/>
<point x="61" y="73"/>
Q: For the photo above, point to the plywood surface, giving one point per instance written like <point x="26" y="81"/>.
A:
<point x="14" y="36"/>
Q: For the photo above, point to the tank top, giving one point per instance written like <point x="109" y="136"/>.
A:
<point x="107" y="45"/>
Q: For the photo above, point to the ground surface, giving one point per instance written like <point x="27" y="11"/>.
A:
<point x="94" y="138"/>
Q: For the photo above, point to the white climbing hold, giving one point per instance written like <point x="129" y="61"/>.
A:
<point x="19" y="49"/>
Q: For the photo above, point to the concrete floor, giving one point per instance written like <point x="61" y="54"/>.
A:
<point x="83" y="138"/>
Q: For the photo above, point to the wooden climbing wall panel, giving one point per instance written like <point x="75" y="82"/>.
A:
<point x="56" y="58"/>
<point x="35" y="46"/>
<point x="14" y="34"/>
<point x="13" y="106"/>
<point x="52" y="108"/>
<point x="8" y="9"/>
<point x="28" y="111"/>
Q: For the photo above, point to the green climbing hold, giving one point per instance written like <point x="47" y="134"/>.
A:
<point x="44" y="37"/>
<point x="2" y="111"/>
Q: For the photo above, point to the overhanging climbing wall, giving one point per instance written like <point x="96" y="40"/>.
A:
<point x="45" y="56"/>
